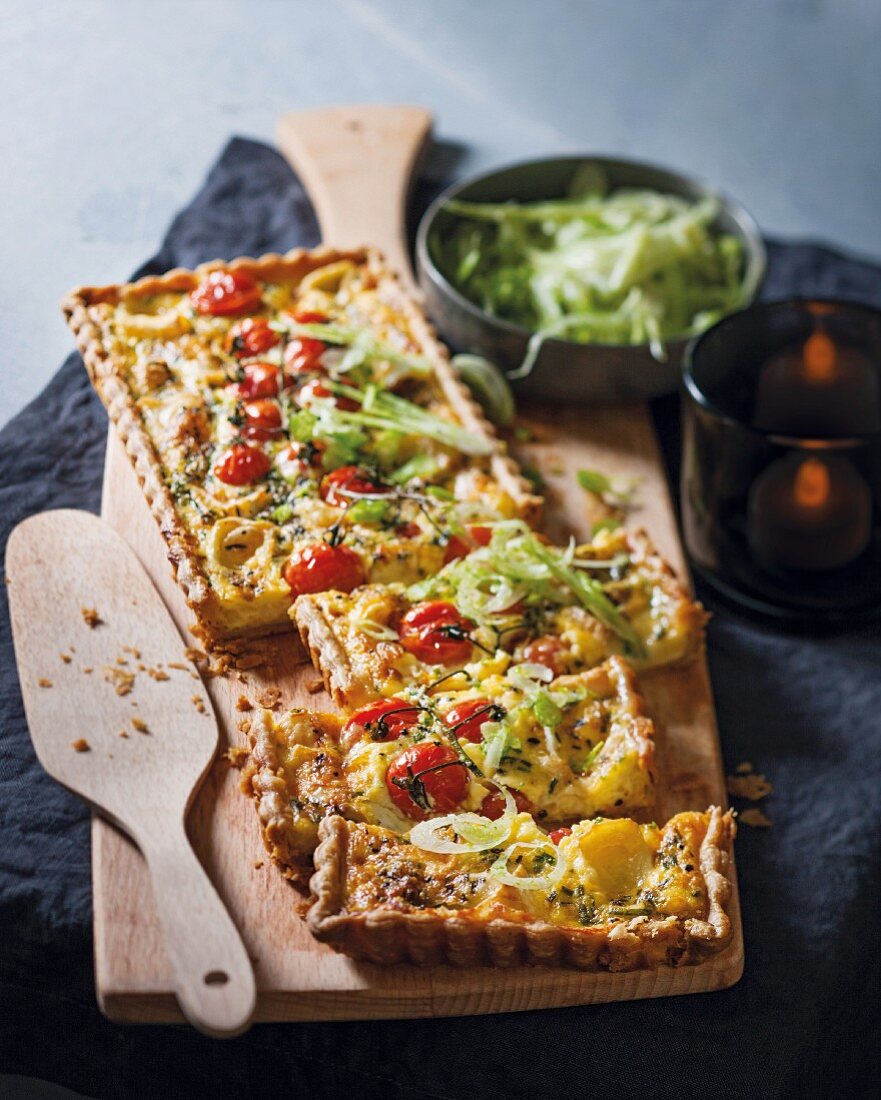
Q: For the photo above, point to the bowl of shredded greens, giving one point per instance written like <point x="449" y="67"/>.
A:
<point x="583" y="278"/>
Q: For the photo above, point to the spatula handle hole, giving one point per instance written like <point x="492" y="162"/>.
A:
<point x="216" y="977"/>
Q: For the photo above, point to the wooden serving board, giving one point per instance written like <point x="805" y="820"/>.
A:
<point x="297" y="978"/>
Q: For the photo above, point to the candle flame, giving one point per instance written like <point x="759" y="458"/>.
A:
<point x="819" y="358"/>
<point x="812" y="483"/>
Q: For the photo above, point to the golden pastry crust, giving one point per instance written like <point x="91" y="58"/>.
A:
<point x="357" y="666"/>
<point x="119" y="400"/>
<point x="498" y="933"/>
<point x="292" y="793"/>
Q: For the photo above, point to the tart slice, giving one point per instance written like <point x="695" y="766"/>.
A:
<point x="558" y="750"/>
<point x="607" y="895"/>
<point x="295" y="427"/>
<point x="512" y="599"/>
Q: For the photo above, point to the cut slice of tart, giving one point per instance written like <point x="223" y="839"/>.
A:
<point x="559" y="750"/>
<point x="295" y="426"/>
<point x="607" y="894"/>
<point x="511" y="600"/>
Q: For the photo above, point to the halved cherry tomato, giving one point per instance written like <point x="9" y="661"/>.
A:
<point x="493" y="806"/>
<point x="385" y="720"/>
<point x="242" y="464"/>
<point x="433" y="773"/>
<point x="260" y="380"/>
<point x="469" y="717"/>
<point x="262" y="419"/>
<point x="456" y="548"/>
<point x="224" y="292"/>
<point x="320" y="567"/>
<point x="347" y="482"/>
<point x="251" y="337"/>
<point x="547" y="651"/>
<point x="299" y="458"/>
<point x="302" y="354"/>
<point x="408" y="530"/>
<point x="307" y="393"/>
<point x="309" y="317"/>
<point x="558" y="834"/>
<point x="459" y="547"/>
<point x="436" y="633"/>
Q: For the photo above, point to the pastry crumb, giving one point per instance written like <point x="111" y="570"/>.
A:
<point x="243" y="703"/>
<point x="258" y="863"/>
<point x="133" y="650"/>
<point x="244" y="726"/>
<point x="123" y="681"/>
<point x="91" y="617"/>
<point x="157" y="674"/>
<point x="252" y="660"/>
<point x="140" y="725"/>
<point x="179" y="665"/>
<point x="237" y="756"/>
<point x="44" y="683"/>
<point x="88" y="670"/>
<point x="80" y="745"/>
<point x="315" y="687"/>
<point x="121" y="661"/>
<point x="269" y="698"/>
<point x="754" y="817"/>
<point x="198" y="703"/>
<point x="66" y="657"/>
<point x="743" y="767"/>
<point x="123" y="733"/>
<point x="192" y="653"/>
<point x="752" y="786"/>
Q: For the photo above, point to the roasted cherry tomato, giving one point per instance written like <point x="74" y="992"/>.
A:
<point x="303" y="354"/>
<point x="459" y="547"/>
<point x="309" y="317"/>
<point x="468" y="718"/>
<point x="307" y="393"/>
<point x="259" y="380"/>
<point x="558" y="834"/>
<point x="493" y="806"/>
<point x="548" y="651"/>
<point x="385" y="720"/>
<point x="241" y="465"/>
<point x="262" y="419"/>
<point x="320" y="567"/>
<point x="224" y="292"/>
<point x="427" y="774"/>
<point x="346" y="483"/>
<point x="436" y="633"/>
<point x="300" y="458"/>
<point x="251" y="337"/>
<point x="408" y="530"/>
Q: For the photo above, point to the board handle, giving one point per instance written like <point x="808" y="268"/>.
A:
<point x="212" y="974"/>
<point x="357" y="165"/>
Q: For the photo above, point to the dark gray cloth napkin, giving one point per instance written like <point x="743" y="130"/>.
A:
<point x="805" y="708"/>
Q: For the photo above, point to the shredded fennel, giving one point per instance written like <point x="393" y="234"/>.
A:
<point x="622" y="267"/>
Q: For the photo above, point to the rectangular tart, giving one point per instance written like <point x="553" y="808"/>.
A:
<point x="626" y="600"/>
<point x="575" y="747"/>
<point x="295" y="425"/>
<point x="610" y="895"/>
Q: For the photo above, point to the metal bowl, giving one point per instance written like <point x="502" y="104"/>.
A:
<point x="566" y="371"/>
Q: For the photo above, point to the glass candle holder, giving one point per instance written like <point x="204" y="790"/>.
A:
<point x="781" y="459"/>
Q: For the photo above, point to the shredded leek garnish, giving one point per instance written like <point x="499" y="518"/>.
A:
<point x="362" y="344"/>
<point x="516" y="565"/>
<point x="471" y="832"/>
<point x="622" y="267"/>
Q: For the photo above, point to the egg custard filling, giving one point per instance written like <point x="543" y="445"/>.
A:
<point x="557" y="750"/>
<point x="602" y="894"/>
<point x="297" y="428"/>
<point x="512" y="600"/>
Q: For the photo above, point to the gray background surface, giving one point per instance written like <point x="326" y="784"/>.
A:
<point x="112" y="111"/>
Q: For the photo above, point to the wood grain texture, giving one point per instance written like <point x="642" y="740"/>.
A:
<point x="298" y="979"/>
<point x="357" y="164"/>
<point x="119" y="716"/>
